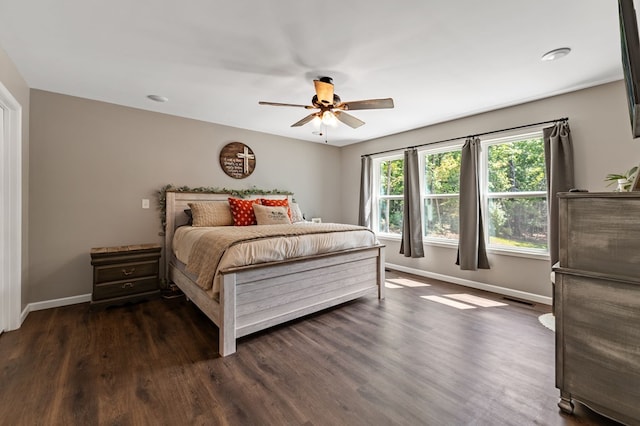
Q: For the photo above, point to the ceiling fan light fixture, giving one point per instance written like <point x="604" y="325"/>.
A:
<point x="329" y="119"/>
<point x="555" y="54"/>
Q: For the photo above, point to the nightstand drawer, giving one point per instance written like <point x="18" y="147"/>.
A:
<point x="125" y="274"/>
<point x="125" y="271"/>
<point x="124" y="288"/>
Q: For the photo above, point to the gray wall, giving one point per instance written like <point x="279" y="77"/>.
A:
<point x="603" y="144"/>
<point x="92" y="163"/>
<point x="13" y="81"/>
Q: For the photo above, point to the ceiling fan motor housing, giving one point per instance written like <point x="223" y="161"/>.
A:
<point x="325" y="103"/>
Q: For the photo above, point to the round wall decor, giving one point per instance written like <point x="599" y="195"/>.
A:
<point x="237" y="160"/>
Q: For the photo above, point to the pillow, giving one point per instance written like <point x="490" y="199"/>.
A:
<point x="190" y="216"/>
<point x="266" y="215"/>
<point x="242" y="211"/>
<point x="277" y="203"/>
<point x="211" y="213"/>
<point x="296" y="213"/>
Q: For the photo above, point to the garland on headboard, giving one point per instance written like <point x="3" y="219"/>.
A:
<point x="241" y="193"/>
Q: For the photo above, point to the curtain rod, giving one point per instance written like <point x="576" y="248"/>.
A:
<point x="470" y="136"/>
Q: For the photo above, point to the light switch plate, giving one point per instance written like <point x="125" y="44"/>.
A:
<point x="145" y="203"/>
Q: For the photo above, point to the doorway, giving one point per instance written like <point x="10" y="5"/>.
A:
<point x="10" y="210"/>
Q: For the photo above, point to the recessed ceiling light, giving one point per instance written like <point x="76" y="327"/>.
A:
<point x="556" y="54"/>
<point x="158" y="98"/>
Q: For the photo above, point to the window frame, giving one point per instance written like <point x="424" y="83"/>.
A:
<point x="486" y="196"/>
<point x="376" y="196"/>
<point x="457" y="146"/>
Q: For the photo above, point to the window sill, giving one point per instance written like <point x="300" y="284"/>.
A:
<point x="389" y="237"/>
<point x="518" y="253"/>
<point x="454" y="246"/>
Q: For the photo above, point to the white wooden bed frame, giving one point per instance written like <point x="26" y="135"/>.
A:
<point x="253" y="298"/>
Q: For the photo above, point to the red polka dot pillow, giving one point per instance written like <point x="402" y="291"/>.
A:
<point x="277" y="203"/>
<point x="242" y="211"/>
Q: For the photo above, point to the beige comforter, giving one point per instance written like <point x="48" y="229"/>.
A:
<point x="208" y="250"/>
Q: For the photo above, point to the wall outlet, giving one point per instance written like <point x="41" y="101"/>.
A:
<point x="145" y="203"/>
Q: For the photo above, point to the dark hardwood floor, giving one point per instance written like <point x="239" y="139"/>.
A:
<point x="406" y="360"/>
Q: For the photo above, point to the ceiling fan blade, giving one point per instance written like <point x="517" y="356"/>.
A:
<point x="305" y="120"/>
<point x="367" y="104"/>
<point x="324" y="91"/>
<point x="289" y="105"/>
<point x="348" y="119"/>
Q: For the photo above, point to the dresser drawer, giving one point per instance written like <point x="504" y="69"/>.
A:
<point x="125" y="271"/>
<point x="125" y="274"/>
<point x="124" y="288"/>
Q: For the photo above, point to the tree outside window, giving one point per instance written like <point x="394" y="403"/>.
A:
<point x="516" y="194"/>
<point x="390" y="198"/>
<point x="441" y="194"/>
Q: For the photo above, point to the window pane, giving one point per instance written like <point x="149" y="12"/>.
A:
<point x="391" y="177"/>
<point x="517" y="166"/>
<point x="442" y="173"/>
<point x="518" y="222"/>
<point x="390" y="216"/>
<point x="441" y="218"/>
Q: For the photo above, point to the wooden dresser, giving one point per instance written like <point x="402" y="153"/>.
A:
<point x="125" y="274"/>
<point x="597" y="302"/>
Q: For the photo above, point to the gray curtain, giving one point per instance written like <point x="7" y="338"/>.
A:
<point x="472" y="253"/>
<point x="364" y="216"/>
<point x="411" y="245"/>
<point x="558" y="156"/>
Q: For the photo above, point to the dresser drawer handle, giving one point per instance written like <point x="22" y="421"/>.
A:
<point x="127" y="272"/>
<point x="127" y="285"/>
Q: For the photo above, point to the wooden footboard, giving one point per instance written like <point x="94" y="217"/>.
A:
<point x="253" y="298"/>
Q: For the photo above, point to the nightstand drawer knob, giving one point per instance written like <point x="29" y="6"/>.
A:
<point x="127" y="285"/>
<point x="127" y="272"/>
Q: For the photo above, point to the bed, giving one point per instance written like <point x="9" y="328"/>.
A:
<point x="251" y="298"/>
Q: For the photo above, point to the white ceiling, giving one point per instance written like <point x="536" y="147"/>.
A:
<point x="216" y="59"/>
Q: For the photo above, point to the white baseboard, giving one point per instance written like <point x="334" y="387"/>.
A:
<point x="55" y="303"/>
<point x="474" y="284"/>
<point x="83" y="298"/>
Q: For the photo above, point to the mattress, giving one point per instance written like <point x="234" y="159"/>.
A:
<point x="207" y="251"/>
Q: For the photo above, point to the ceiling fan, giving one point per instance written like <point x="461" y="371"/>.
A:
<point x="331" y="107"/>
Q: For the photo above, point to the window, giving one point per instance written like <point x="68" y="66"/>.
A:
<point x="388" y="201"/>
<point x="440" y="199"/>
<point x="515" y="189"/>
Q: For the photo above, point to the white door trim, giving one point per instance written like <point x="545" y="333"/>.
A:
<point x="10" y="211"/>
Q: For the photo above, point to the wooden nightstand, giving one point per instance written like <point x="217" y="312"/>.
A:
<point x="125" y="274"/>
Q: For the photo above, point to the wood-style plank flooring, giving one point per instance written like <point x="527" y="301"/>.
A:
<point x="406" y="360"/>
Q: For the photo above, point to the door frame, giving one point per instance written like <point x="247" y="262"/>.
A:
<point x="10" y="211"/>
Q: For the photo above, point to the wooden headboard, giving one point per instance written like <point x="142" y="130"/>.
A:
<point x="178" y="201"/>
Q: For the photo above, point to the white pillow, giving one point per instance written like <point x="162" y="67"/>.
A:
<point x="296" y="214"/>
